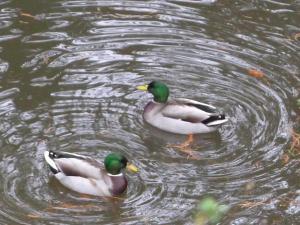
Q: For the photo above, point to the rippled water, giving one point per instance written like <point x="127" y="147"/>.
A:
<point x="68" y="72"/>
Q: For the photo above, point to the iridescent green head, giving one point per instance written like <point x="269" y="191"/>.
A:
<point x="159" y="90"/>
<point x="115" y="162"/>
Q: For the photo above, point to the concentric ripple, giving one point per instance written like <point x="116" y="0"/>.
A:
<point x="68" y="72"/>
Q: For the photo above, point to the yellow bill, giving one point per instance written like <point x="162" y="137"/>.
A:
<point x="142" y="87"/>
<point x="132" y="168"/>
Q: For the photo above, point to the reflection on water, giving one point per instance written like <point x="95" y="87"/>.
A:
<point x="68" y="72"/>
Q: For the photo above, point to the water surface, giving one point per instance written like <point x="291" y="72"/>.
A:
<point x="68" y="72"/>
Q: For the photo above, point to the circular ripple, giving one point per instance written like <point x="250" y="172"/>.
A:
<point x="80" y="81"/>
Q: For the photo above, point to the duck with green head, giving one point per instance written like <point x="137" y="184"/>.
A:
<point x="87" y="176"/>
<point x="181" y="115"/>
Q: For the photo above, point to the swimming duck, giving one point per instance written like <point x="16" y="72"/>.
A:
<point x="181" y="115"/>
<point x="87" y="176"/>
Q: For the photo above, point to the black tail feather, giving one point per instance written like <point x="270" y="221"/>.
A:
<point x="54" y="171"/>
<point x="53" y="155"/>
<point x="49" y="155"/>
<point x="213" y="118"/>
<point x="56" y="155"/>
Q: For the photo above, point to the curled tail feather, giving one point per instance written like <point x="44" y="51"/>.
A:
<point x="49" y="155"/>
<point x="214" y="120"/>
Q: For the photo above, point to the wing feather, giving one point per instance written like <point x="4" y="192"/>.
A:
<point x="72" y="164"/>
<point x="78" y="167"/>
<point x="200" y="105"/>
<point x="187" y="110"/>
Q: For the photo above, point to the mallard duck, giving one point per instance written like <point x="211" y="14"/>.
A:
<point x="87" y="176"/>
<point x="181" y="115"/>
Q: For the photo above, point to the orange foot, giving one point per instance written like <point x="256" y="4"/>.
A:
<point x="190" y="153"/>
<point x="185" y="147"/>
<point x="186" y="143"/>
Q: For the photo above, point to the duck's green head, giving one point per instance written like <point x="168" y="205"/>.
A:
<point x="159" y="90"/>
<point x="115" y="162"/>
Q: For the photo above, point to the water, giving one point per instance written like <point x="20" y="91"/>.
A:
<point x="68" y="72"/>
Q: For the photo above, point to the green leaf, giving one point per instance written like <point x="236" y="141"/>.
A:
<point x="210" y="209"/>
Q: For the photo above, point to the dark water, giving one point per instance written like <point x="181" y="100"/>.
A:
<point x="68" y="72"/>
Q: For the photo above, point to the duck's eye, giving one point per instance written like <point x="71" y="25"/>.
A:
<point x="151" y="85"/>
<point x="124" y="161"/>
